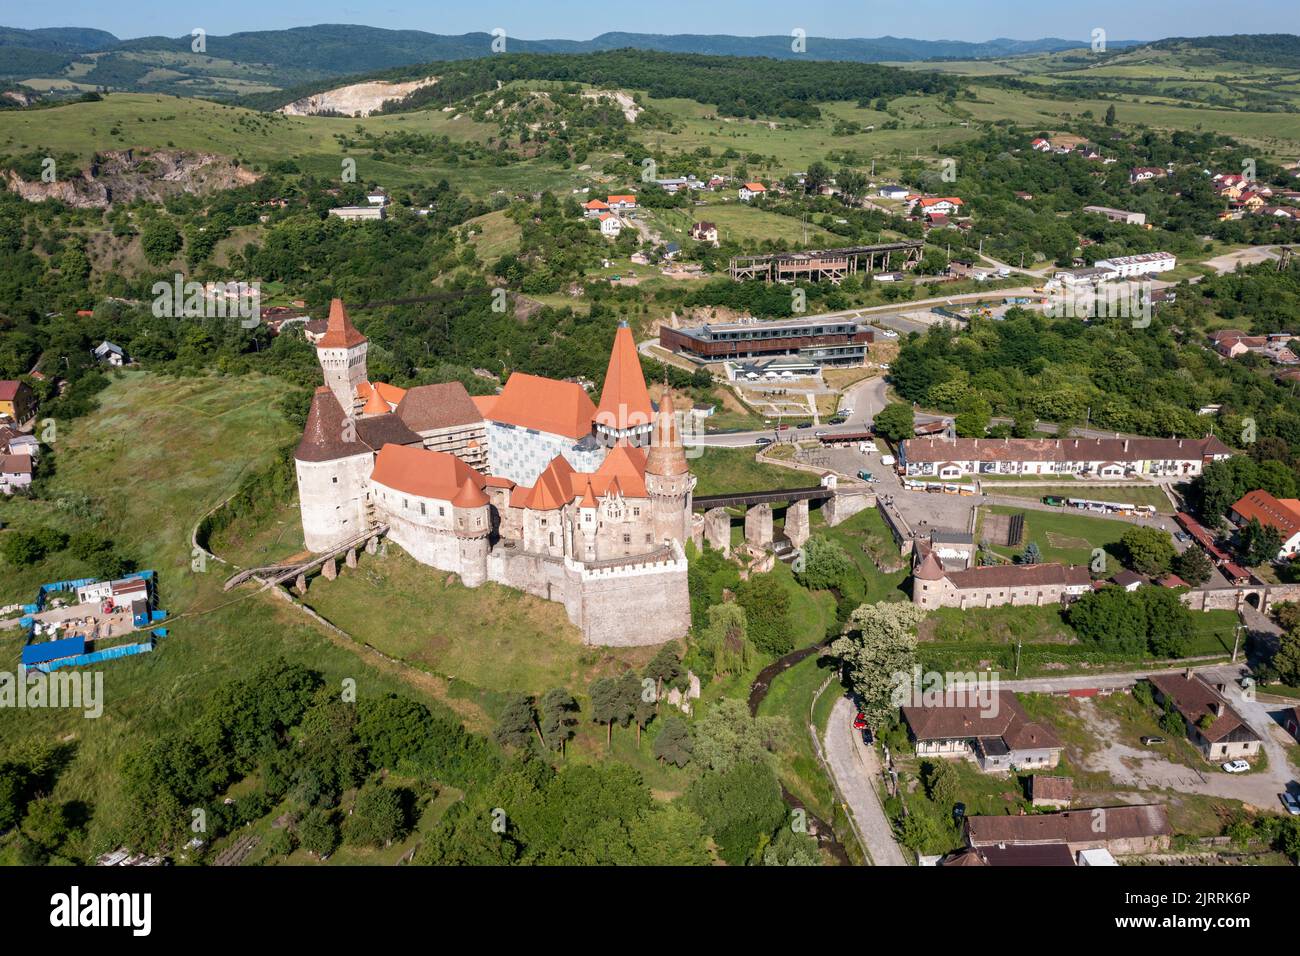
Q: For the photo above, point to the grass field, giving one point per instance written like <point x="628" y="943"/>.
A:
<point x="720" y="470"/>
<point x="145" y="468"/>
<point x="156" y="121"/>
<point x="1061" y="536"/>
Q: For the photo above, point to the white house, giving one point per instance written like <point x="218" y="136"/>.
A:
<point x="358" y="212"/>
<point x="112" y="354"/>
<point x="749" y="190"/>
<point x="1102" y="457"/>
<point x="610" y="225"/>
<point x="942" y="205"/>
<point x="894" y="192"/>
<point x="1147" y="263"/>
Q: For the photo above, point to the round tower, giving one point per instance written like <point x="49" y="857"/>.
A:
<point x="473" y="527"/>
<point x="341" y="351"/>
<point x="668" y="479"/>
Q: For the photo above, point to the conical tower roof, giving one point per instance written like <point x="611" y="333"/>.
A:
<point x="930" y="569"/>
<point x="328" y="435"/>
<point x="375" y="405"/>
<point x="470" y="495"/>
<point x="624" y="399"/>
<point x="340" y="333"/>
<point x="666" y="456"/>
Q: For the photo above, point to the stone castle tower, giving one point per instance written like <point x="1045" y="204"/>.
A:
<point x="341" y="352"/>
<point x="668" y="479"/>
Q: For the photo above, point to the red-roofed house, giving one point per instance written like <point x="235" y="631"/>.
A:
<point x="947" y="205"/>
<point x="16" y="400"/>
<point x="749" y="190"/>
<point x="594" y="208"/>
<point x="1282" y="514"/>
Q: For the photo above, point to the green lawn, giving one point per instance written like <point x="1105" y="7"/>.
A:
<point x="1061" y="536"/>
<point x="721" y="470"/>
<point x="145" y="468"/>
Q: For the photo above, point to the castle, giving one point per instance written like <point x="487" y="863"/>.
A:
<point x="535" y="488"/>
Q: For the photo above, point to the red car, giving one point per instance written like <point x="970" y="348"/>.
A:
<point x="860" y="721"/>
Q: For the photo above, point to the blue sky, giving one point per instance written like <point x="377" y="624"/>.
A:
<point x="582" y="19"/>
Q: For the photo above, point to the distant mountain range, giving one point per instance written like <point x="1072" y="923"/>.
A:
<point x="340" y="50"/>
<point x="244" y="64"/>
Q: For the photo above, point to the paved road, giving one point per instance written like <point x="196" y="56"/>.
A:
<point x="856" y="771"/>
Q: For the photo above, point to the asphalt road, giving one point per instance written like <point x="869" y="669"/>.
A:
<point x="856" y="771"/>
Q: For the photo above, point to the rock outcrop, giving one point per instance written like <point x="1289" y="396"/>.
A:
<point x="127" y="175"/>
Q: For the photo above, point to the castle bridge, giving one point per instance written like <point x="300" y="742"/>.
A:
<point x="748" y="498"/>
<point x="276" y="574"/>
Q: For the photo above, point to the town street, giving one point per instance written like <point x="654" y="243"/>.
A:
<point x="856" y="771"/>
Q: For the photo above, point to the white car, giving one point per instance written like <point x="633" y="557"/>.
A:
<point x="886" y="459"/>
<point x="1236" y="766"/>
<point x="846" y="411"/>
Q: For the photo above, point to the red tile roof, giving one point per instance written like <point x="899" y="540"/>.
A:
<point x="529" y="401"/>
<point x="426" y="474"/>
<point x="622" y="473"/>
<point x="1270" y="512"/>
<point x="9" y="389"/>
<point x="340" y="333"/>
<point x="624" y="400"/>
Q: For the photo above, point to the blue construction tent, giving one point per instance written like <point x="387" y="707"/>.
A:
<point x="53" y="650"/>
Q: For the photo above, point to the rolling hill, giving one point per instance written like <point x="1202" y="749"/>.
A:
<point x="242" y="63"/>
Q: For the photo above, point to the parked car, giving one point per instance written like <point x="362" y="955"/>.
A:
<point x="1150" y="740"/>
<point x="1236" y="766"/>
<point x="886" y="459"/>
<point x="819" y="434"/>
<point x="860" y="721"/>
<point x="1291" y="803"/>
<point x="867" y="476"/>
<point x="958" y="812"/>
<point x="1182" y="536"/>
<point x="844" y="413"/>
<point x="761" y="442"/>
<point x="804" y="425"/>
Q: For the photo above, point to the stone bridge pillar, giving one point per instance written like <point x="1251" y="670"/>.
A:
<point x="351" y="559"/>
<point x="758" y="526"/>
<point x="330" y="569"/>
<point x="372" y="544"/>
<point x="300" y="585"/>
<point x="796" y="523"/>
<point x="717" y="529"/>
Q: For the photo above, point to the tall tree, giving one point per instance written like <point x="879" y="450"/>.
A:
<point x="878" y="649"/>
<point x="518" y="723"/>
<point x="606" y="704"/>
<point x="1148" y="550"/>
<point x="674" y="744"/>
<point x="664" y="668"/>
<point x="557" y="709"/>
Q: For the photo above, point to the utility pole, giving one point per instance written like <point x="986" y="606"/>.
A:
<point x="1019" y="642"/>
<point x="1236" y="640"/>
